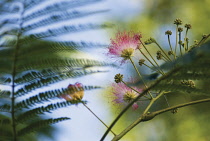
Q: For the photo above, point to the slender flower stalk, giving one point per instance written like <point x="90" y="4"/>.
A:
<point x="188" y="26"/>
<point x="135" y="90"/>
<point x="150" y="56"/>
<point x="163" y="57"/>
<point x="180" y="44"/>
<point x="168" y="33"/>
<point x="97" y="117"/>
<point x="157" y="67"/>
<point x="180" y="40"/>
<point x="176" y="40"/>
<point x="177" y="22"/>
<point x="141" y="78"/>
<point x="149" y="67"/>
<point x="168" y="58"/>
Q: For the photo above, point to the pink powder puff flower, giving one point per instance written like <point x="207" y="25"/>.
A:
<point x="124" y="44"/>
<point x="124" y="95"/>
<point x="76" y="93"/>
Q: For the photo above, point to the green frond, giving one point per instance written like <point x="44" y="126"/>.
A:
<point x="43" y="109"/>
<point x="32" y="3"/>
<point x="51" y="76"/>
<point x="48" y="95"/>
<point x="5" y="135"/>
<point x="5" y="94"/>
<point x="5" y="108"/>
<point x="33" y="47"/>
<point x="50" y="80"/>
<point x="68" y="29"/>
<point x="41" y="97"/>
<point x="57" y="6"/>
<point x="6" y="61"/>
<point x="5" y="80"/>
<point x="4" y="9"/>
<point x="59" y="63"/>
<point x="5" y="122"/>
<point x="77" y="45"/>
<point x="10" y="21"/>
<point x="29" y="63"/>
<point x="40" y="124"/>
<point x="61" y="17"/>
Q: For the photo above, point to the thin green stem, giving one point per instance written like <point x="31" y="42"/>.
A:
<point x="166" y="100"/>
<point x="180" y="45"/>
<point x="134" y="89"/>
<point x="141" y="78"/>
<point x="187" y="45"/>
<point x="14" y="65"/>
<point x="149" y="106"/>
<point x="164" y="58"/>
<point x="97" y="117"/>
<point x="157" y="67"/>
<point x="176" y="41"/>
<point x="203" y="40"/>
<point x="185" y="41"/>
<point x="168" y="58"/>
<point x="150" y="67"/>
<point x="160" y="71"/>
<point x="180" y="106"/>
<point x="169" y="41"/>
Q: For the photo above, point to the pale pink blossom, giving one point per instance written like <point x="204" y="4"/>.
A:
<point x="124" y="95"/>
<point x="76" y="94"/>
<point x="124" y="44"/>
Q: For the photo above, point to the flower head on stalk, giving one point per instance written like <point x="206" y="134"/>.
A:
<point x="124" y="44"/>
<point x="124" y="95"/>
<point x="75" y="92"/>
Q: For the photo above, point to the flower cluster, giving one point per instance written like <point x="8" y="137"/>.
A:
<point x="124" y="95"/>
<point x="124" y="44"/>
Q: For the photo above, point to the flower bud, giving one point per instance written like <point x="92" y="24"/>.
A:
<point x="168" y="32"/>
<point x="118" y="78"/>
<point x="178" y="21"/>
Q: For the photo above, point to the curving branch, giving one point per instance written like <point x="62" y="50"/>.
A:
<point x="149" y="116"/>
<point x="137" y="98"/>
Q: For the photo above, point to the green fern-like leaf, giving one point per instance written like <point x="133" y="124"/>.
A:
<point x="60" y="17"/>
<point x="43" y="109"/>
<point x="28" y="61"/>
<point x="5" y="108"/>
<point x="5" y="121"/>
<point x="46" y="96"/>
<point x="40" y="124"/>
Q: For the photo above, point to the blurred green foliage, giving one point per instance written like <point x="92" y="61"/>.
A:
<point x="160" y="13"/>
